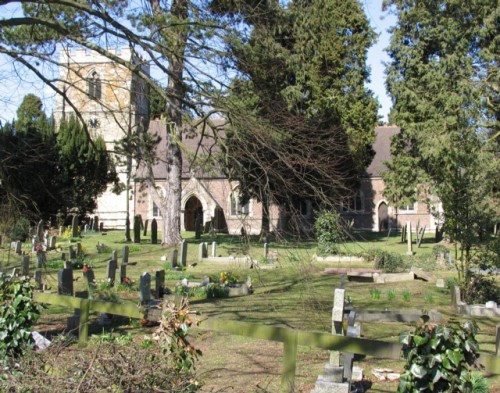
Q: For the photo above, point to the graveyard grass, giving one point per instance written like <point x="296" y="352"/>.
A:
<point x="293" y="292"/>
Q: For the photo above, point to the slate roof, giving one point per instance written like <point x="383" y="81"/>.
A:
<point x="208" y="145"/>
<point x="382" y="148"/>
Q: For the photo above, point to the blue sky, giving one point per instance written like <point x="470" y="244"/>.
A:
<point x="13" y="89"/>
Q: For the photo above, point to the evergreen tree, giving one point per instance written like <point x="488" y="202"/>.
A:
<point x="443" y="79"/>
<point x="85" y="168"/>
<point x="303" y="121"/>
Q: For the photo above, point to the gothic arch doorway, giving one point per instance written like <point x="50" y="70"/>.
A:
<point x="192" y="210"/>
<point x="383" y="219"/>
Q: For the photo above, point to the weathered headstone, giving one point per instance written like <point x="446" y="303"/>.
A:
<point x="266" y="250"/>
<point x="53" y="242"/>
<point x="137" y="229"/>
<point x="123" y="272"/>
<point x="183" y="256"/>
<point x="173" y="260"/>
<point x="74" y="226"/>
<point x="125" y="255"/>
<point x="25" y="265"/>
<point x="456" y="299"/>
<point x="38" y="279"/>
<point x="114" y="255"/>
<point x="95" y="224"/>
<point x="214" y="249"/>
<point x="111" y="271"/>
<point x="91" y="224"/>
<point x="202" y="251"/>
<point x="145" y="288"/>
<point x="19" y="248"/>
<point x="154" y="231"/>
<point x="159" y="283"/>
<point x="86" y="228"/>
<point x="61" y="230"/>
<point x="145" y="228"/>
<point x="420" y="237"/>
<point x="72" y="253"/>
<point x="39" y="231"/>
<point x="101" y="227"/>
<point x="410" y="244"/>
<point x="68" y="264"/>
<point x="65" y="282"/>
<point x="79" y="252"/>
<point x="90" y="277"/>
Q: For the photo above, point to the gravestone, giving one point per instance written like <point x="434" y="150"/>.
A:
<point x="79" y="252"/>
<point x="95" y="224"/>
<point x="174" y="259"/>
<point x="332" y="379"/>
<point x="154" y="231"/>
<point x="137" y="229"/>
<point x="202" y="251"/>
<point x="65" y="282"/>
<point x="114" y="255"/>
<point x="410" y="244"/>
<point x="72" y="253"/>
<point x="90" y="277"/>
<point x="25" y="265"/>
<point x="183" y="253"/>
<point x="41" y="259"/>
<point x="86" y="228"/>
<point x="353" y="330"/>
<point x="91" y="224"/>
<point x="123" y="272"/>
<point x="125" y="255"/>
<point x="38" y="279"/>
<point x="101" y="227"/>
<point x="266" y="250"/>
<point x="33" y="244"/>
<point x="53" y="241"/>
<point x="145" y="288"/>
<point x="74" y="226"/>
<point x="456" y="299"/>
<point x="214" y="249"/>
<point x="145" y="228"/>
<point x="111" y="271"/>
<point x="18" y="246"/>
<point x="420" y="237"/>
<point x="403" y="234"/>
<point x="39" y="231"/>
<point x="159" y="283"/>
<point x="68" y="264"/>
<point x="61" y="230"/>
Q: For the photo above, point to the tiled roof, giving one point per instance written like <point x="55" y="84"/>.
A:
<point x="382" y="148"/>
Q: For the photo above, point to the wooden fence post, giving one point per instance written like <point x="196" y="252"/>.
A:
<point x="289" y="362"/>
<point x="83" y="328"/>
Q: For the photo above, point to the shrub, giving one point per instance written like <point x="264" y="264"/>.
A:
<point x="375" y="293"/>
<point x="18" y="313"/>
<point x="389" y="262"/>
<point x="391" y="294"/>
<point x="481" y="289"/>
<point x="439" y="358"/>
<point x="439" y="250"/>
<point x="329" y="232"/>
<point x="19" y="230"/>
<point x="406" y="295"/>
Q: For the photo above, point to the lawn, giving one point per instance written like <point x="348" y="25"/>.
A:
<point x="293" y="292"/>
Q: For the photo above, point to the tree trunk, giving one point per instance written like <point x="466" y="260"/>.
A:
<point x="171" y="205"/>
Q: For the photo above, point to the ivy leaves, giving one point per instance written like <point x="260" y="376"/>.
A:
<point x="439" y="358"/>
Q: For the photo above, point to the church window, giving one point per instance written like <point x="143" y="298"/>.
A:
<point x="237" y="208"/>
<point x="407" y="208"/>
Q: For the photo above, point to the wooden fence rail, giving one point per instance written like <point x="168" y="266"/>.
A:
<point x="290" y="338"/>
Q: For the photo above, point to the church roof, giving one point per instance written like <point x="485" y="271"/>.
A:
<point x="382" y="148"/>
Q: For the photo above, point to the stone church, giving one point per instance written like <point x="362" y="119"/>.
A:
<point x="113" y="102"/>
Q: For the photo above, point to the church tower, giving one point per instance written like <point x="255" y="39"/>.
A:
<point x="113" y="103"/>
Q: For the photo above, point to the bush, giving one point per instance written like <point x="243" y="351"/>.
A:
<point x="18" y="313"/>
<point x="439" y="358"/>
<point x="389" y="262"/>
<point x="480" y="289"/>
<point x="329" y="232"/>
<point x="19" y="230"/>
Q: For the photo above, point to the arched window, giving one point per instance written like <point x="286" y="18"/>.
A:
<point x="354" y="203"/>
<point x="94" y="86"/>
<point x="237" y="208"/>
